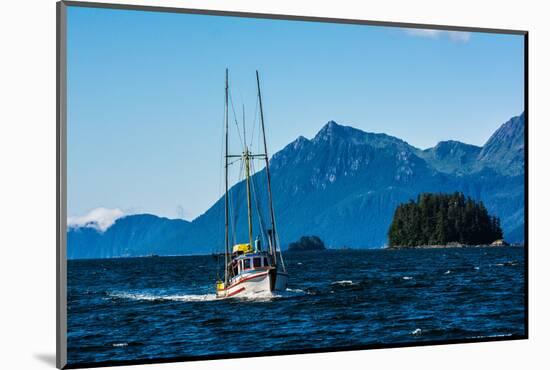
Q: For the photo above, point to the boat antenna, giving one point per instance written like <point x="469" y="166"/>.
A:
<point x="226" y="175"/>
<point x="272" y="214"/>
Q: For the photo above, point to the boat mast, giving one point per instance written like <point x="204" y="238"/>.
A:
<point x="226" y="176"/>
<point x="272" y="214"/>
<point x="247" y="156"/>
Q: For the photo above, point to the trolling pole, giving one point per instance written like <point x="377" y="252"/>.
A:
<point x="273" y="234"/>
<point x="226" y="176"/>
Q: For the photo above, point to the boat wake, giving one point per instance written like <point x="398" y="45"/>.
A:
<point x="160" y="298"/>
<point x="150" y="297"/>
<point x="256" y="296"/>
<point x="268" y="296"/>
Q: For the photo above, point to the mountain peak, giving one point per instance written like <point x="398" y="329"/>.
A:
<point x="329" y="128"/>
<point x="505" y="148"/>
<point x="451" y="156"/>
<point x="332" y="130"/>
<point x="299" y="143"/>
<point x="450" y="147"/>
<point x="512" y="130"/>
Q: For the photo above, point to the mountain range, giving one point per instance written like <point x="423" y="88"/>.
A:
<point x="342" y="185"/>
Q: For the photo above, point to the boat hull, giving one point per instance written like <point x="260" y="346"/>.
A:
<point x="281" y="281"/>
<point x="255" y="283"/>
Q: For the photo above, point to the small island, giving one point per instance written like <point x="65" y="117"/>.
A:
<point x="306" y="244"/>
<point x="442" y="220"/>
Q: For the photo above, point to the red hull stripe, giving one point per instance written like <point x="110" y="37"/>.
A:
<point x="235" y="292"/>
<point x="246" y="279"/>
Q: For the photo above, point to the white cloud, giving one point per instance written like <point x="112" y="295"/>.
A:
<point x="457" y="36"/>
<point x="433" y="34"/>
<point x="100" y="219"/>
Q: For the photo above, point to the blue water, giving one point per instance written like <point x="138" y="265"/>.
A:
<point x="164" y="307"/>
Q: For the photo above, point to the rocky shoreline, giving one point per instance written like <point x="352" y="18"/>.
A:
<point x="453" y="245"/>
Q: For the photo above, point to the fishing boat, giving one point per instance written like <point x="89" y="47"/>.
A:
<point x="249" y="268"/>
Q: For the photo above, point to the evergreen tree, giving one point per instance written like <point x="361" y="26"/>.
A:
<point x="436" y="219"/>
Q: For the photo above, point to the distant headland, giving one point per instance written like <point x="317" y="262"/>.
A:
<point x="306" y="244"/>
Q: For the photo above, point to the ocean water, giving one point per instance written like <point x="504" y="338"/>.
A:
<point x="165" y="307"/>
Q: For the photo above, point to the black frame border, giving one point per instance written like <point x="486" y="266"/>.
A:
<point x="61" y="182"/>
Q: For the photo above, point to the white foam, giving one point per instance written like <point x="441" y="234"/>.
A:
<point x="407" y="277"/>
<point x="124" y="344"/>
<point x="343" y="282"/>
<point x="256" y="296"/>
<point x="294" y="290"/>
<point x="447" y="272"/>
<point x="416" y="331"/>
<point x="491" y="336"/>
<point x="154" y="297"/>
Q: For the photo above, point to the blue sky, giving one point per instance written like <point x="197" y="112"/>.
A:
<point x="145" y="95"/>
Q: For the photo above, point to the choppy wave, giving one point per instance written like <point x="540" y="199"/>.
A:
<point x="491" y="336"/>
<point x="343" y="282"/>
<point x="114" y="306"/>
<point x="294" y="290"/>
<point x="508" y="263"/>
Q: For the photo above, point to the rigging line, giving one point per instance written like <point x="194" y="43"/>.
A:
<point x="239" y="180"/>
<point x="220" y="214"/>
<point x="278" y="243"/>
<point x="244" y="129"/>
<point x="233" y="216"/>
<point x="258" y="208"/>
<point x="254" y="123"/>
<point x="233" y="212"/>
<point x="235" y="118"/>
<point x="244" y="122"/>
<point x="234" y="161"/>
<point x="260" y="145"/>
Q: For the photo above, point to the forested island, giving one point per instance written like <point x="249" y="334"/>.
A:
<point x="307" y="243"/>
<point x="443" y="219"/>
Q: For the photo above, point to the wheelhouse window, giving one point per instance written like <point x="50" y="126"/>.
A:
<point x="246" y="264"/>
<point x="257" y="262"/>
<point x="266" y="262"/>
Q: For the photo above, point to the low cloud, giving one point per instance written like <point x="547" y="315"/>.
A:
<point x="99" y="218"/>
<point x="456" y="36"/>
